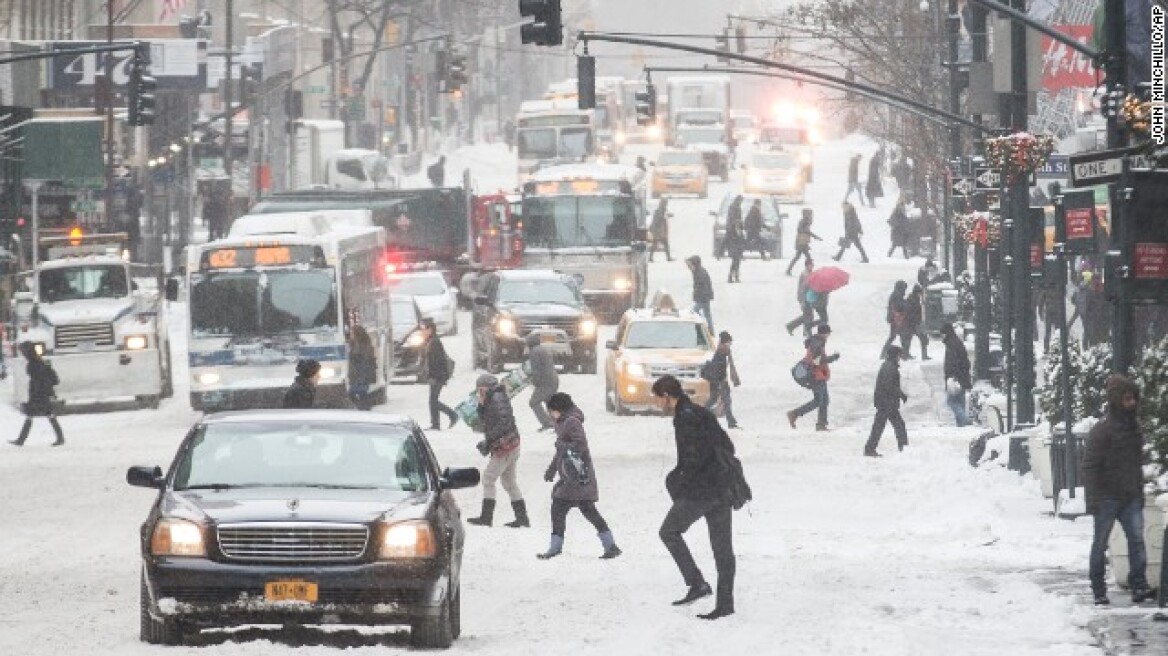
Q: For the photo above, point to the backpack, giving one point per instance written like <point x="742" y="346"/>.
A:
<point x="707" y="370"/>
<point x="737" y="489"/>
<point x="576" y="467"/>
<point x="802" y="373"/>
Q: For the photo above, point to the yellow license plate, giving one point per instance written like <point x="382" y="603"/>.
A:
<point x="290" y="591"/>
<point x="547" y="338"/>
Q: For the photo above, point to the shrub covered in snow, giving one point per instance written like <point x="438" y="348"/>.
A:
<point x="1150" y="372"/>
<point x="1089" y="371"/>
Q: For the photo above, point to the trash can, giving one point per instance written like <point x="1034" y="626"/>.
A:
<point x="1061" y="476"/>
<point x="1040" y="462"/>
<point x="940" y="306"/>
<point x="1020" y="448"/>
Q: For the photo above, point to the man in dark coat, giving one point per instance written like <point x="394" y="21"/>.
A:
<point x="803" y="237"/>
<point x="699" y="487"/>
<point x="302" y="392"/>
<point x="437" y="172"/>
<point x="659" y="230"/>
<point x="852" y="232"/>
<point x="576" y="487"/>
<point x="437" y="374"/>
<point x="735" y="244"/>
<point x="887" y="398"/>
<point x="873" y="188"/>
<point x="703" y="289"/>
<point x="914" y="323"/>
<point x="957" y="374"/>
<point x="544" y="379"/>
<point x="723" y="374"/>
<point x="820" y="363"/>
<point x="896" y="312"/>
<point x="501" y="443"/>
<point x="854" y="178"/>
<point x="1113" y="480"/>
<point x="898" y="228"/>
<point x="41" y="381"/>
<point x="753" y="226"/>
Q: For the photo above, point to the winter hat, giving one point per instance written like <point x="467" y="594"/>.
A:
<point x="560" y="402"/>
<point x="823" y="329"/>
<point x="486" y="380"/>
<point x="1117" y="387"/>
<point x="532" y="340"/>
<point x="694" y="260"/>
<point x="892" y="352"/>
<point x="947" y="330"/>
<point x="724" y="337"/>
<point x="307" y="368"/>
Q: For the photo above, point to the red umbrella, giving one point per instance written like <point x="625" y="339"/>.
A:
<point x="828" y="279"/>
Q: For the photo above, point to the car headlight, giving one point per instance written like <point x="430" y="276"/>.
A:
<point x="408" y="540"/>
<point x="587" y="327"/>
<point x="622" y="284"/>
<point x="506" y="326"/>
<point x="636" y="370"/>
<point x="327" y="372"/>
<point x="793" y="179"/>
<point x="805" y="158"/>
<point x="619" y="137"/>
<point x="136" y="342"/>
<point x="654" y="131"/>
<point x="755" y="179"/>
<point x="209" y="378"/>
<point x="177" y="537"/>
<point x="415" y="339"/>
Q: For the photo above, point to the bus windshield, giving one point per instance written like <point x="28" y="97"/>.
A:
<point x="259" y="303"/>
<point x="574" y="221"/>
<point x="538" y="143"/>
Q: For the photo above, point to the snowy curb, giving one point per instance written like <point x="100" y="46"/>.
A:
<point x="1127" y="634"/>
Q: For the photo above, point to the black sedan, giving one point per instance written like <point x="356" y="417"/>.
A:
<point x="302" y="516"/>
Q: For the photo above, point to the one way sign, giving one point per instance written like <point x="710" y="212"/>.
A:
<point x="962" y="186"/>
<point x="988" y="178"/>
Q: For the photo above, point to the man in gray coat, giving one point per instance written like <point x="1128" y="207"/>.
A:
<point x="544" y="380"/>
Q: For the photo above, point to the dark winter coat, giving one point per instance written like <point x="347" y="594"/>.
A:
<point x="436" y="172"/>
<point x="801" y="289"/>
<point x="818" y="358"/>
<point x="437" y="365"/>
<point x="698" y="474"/>
<point x="1113" y="462"/>
<point x="898" y="223"/>
<point x="300" y="394"/>
<point x="753" y="224"/>
<point x="957" y="361"/>
<point x="914" y="312"/>
<point x="735" y="239"/>
<point x="888" y="395"/>
<point x="852" y="227"/>
<point x="897" y="306"/>
<point x="703" y="289"/>
<point x="498" y="420"/>
<point x="543" y="368"/>
<point x="362" y="369"/>
<point x="570" y="435"/>
<point x="734" y="213"/>
<point x="722" y="366"/>
<point x="873" y="187"/>
<point x="41" y="381"/>
<point x="803" y="234"/>
<point x="659" y="227"/>
<point x="854" y="169"/>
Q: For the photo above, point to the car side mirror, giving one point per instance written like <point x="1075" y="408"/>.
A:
<point x="610" y="345"/>
<point x="454" y="479"/>
<point x="172" y="289"/>
<point x="482" y="300"/>
<point x="145" y="477"/>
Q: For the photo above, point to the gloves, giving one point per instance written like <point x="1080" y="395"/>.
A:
<point x="483" y="448"/>
<point x="549" y="475"/>
<point x="904" y="397"/>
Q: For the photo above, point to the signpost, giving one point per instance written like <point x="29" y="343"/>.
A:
<point x="1103" y="166"/>
<point x="987" y="178"/>
<point x="1056" y="166"/>
<point x="962" y="186"/>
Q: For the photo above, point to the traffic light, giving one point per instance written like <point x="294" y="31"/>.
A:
<point x="586" y="81"/>
<point x="293" y="104"/>
<point x="547" y="29"/>
<point x="722" y="45"/>
<point x="250" y="77"/>
<point x="140" y="101"/>
<point x="646" y="105"/>
<point x="440" y="59"/>
<point x="456" y="73"/>
<point x="740" y="36"/>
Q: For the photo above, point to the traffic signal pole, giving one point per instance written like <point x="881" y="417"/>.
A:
<point x="1118" y="257"/>
<point x="109" y="118"/>
<point x="1019" y="195"/>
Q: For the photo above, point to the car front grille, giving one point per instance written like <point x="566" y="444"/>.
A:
<point x="677" y="370"/>
<point x="325" y="595"/>
<point x="293" y="542"/>
<point x="567" y="324"/>
<point x="72" y="336"/>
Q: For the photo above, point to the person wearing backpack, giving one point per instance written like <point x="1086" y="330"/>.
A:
<point x="887" y="399"/>
<point x="702" y="484"/>
<point x="818" y="361"/>
<point x="576" y="487"/>
<point x="41" y="381"/>
<point x="721" y="374"/>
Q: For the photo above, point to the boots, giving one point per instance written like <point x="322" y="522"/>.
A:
<point x="555" y="547"/>
<point x="521" y="521"/>
<point x="23" y="433"/>
<point x="486" y="516"/>
<point x="609" y="543"/>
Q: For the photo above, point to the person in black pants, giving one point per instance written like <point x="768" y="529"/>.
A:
<point x="735" y="244"/>
<point x="887" y="399"/>
<point x="659" y="230"/>
<point x="41" y="381"/>
<point x="896" y="313"/>
<point x="437" y="374"/>
<point x="803" y="237"/>
<point x="852" y="232"/>
<point x="699" y="487"/>
<point x="362" y="368"/>
<point x="576" y="487"/>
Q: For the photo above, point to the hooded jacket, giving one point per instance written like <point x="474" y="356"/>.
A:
<point x="703" y="289"/>
<point x="499" y="421"/>
<point x="300" y="394"/>
<point x="570" y="435"/>
<point x="698" y="474"/>
<point x="957" y="361"/>
<point x="896" y="303"/>
<point x="888" y="394"/>
<point x="41" y="381"/>
<point x="1113" y="462"/>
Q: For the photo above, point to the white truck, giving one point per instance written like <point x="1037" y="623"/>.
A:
<point x="320" y="160"/>
<point x="99" y="320"/>
<point x="699" y="119"/>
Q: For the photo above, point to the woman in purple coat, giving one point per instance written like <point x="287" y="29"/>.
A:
<point x="576" y="487"/>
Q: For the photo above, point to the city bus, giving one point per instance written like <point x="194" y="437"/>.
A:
<point x="259" y="303"/>
<point x="550" y="132"/>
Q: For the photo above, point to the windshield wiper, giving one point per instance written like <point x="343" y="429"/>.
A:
<point x="218" y="487"/>
<point x="331" y="486"/>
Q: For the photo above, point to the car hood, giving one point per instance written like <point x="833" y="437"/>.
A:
<point x="540" y="310"/>
<point x="719" y="148"/>
<point x="679" y="170"/>
<point x="666" y="356"/>
<point x="94" y="310"/>
<point x="310" y="505"/>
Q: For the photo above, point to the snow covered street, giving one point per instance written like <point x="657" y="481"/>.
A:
<point x="916" y="553"/>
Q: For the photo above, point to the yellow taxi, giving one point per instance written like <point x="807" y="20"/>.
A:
<point x="680" y="172"/>
<point x="775" y="173"/>
<point x="653" y="342"/>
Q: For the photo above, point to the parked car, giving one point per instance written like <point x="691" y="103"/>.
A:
<point x="772" y="223"/>
<point x="777" y="173"/>
<point x="408" y="339"/>
<point x="435" y="298"/>
<point x="520" y="302"/>
<point x="649" y="344"/>
<point x="302" y="516"/>
<point x="680" y="172"/>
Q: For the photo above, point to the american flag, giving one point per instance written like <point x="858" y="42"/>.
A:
<point x="169" y="8"/>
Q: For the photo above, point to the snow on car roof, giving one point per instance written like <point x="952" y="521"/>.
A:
<point x="330" y="416"/>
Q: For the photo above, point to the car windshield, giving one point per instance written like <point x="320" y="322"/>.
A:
<point x="774" y="161"/>
<point x="770" y="215"/>
<point x="565" y="221"/>
<point x="666" y="335"/>
<point x="257" y="303"/>
<point x="538" y="291"/>
<point x="701" y="135"/>
<point x="417" y="286"/>
<point x="83" y="282"/>
<point x="324" y="454"/>
<point x="679" y="158"/>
